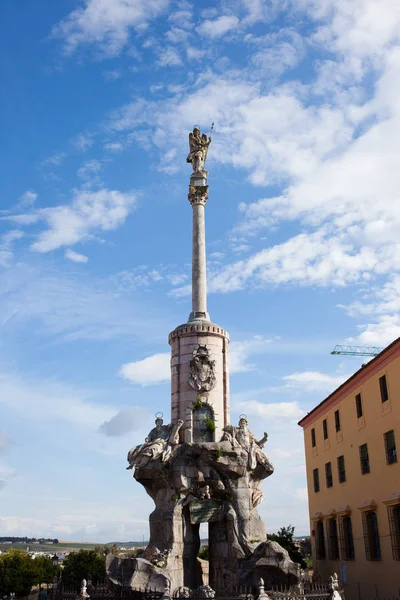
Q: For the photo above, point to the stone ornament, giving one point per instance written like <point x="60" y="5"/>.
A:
<point x="83" y="593"/>
<point x="198" y="150"/>
<point x="202" y="370"/>
<point x="158" y="444"/>
<point x="245" y="438"/>
<point x="205" y="591"/>
<point x="198" y="194"/>
<point x="334" y="587"/>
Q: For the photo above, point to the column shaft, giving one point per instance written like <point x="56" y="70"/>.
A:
<point x="199" y="284"/>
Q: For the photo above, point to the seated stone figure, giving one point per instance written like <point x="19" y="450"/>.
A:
<point x="157" y="444"/>
<point x="243" y="437"/>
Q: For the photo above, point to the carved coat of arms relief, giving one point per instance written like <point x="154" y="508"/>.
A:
<point x="202" y="370"/>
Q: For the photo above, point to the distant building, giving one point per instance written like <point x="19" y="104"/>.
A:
<point x="351" y="441"/>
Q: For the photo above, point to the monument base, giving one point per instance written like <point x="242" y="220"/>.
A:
<point x="218" y="484"/>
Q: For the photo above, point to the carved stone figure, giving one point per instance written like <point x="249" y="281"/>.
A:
<point x="245" y="438"/>
<point x="334" y="587"/>
<point x="198" y="149"/>
<point x="204" y="482"/>
<point x="157" y="444"/>
<point x="205" y="591"/>
<point x="202" y="370"/>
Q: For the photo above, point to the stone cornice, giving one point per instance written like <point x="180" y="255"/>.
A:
<point x="201" y="328"/>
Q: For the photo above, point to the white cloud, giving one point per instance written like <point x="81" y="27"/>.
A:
<point x="112" y="75"/>
<point x="290" y="411"/>
<point x="90" y="169"/>
<point x="48" y="400"/>
<point x="114" y="146"/>
<point x="152" y="370"/>
<point x="106" y="24"/>
<point x="169" y="57"/>
<point x="6" y="246"/>
<point x="28" y="198"/>
<point x="313" y="381"/>
<point x="101" y="210"/>
<point x="70" y="306"/>
<point x="139" y="277"/>
<point x="218" y="27"/>
<point x="55" y="160"/>
<point x="83" y="141"/>
<point x="240" y="352"/>
<point x="75" y="256"/>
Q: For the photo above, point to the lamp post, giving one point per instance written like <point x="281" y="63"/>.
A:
<point x="54" y="562"/>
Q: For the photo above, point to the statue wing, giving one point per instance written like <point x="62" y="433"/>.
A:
<point x="192" y="144"/>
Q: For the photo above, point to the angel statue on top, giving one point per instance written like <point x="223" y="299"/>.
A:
<point x="198" y="149"/>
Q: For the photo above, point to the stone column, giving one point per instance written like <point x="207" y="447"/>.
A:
<point x="198" y="196"/>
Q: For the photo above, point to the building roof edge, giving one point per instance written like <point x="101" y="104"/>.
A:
<point x="353" y="381"/>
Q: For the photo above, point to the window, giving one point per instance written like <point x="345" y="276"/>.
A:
<point x="371" y="535"/>
<point x="359" y="406"/>
<point x="364" y="459"/>
<point x="328" y="475"/>
<point x="384" y="390"/>
<point x="337" y="420"/>
<point x="325" y="428"/>
<point x="320" y="541"/>
<point x="390" y="447"/>
<point x="394" y="523"/>
<point x="346" y="538"/>
<point x="316" y="480"/>
<point x="313" y="440"/>
<point x="341" y="469"/>
<point x="333" y="542"/>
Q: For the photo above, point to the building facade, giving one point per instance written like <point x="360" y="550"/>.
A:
<point x="352" y="440"/>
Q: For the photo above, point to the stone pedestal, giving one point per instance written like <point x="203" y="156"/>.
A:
<point x="187" y="401"/>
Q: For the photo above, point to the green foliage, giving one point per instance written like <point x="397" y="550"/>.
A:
<point x="219" y="453"/>
<point x="19" y="572"/>
<point x="305" y="547"/>
<point x="284" y="537"/>
<point x="79" y="565"/>
<point x="209" y="423"/>
<point x="198" y="404"/>
<point x="204" y="553"/>
<point x="175" y="498"/>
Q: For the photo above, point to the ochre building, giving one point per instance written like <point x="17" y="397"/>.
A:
<point x="352" y="440"/>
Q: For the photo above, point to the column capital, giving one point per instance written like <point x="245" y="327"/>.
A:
<point x="198" y="194"/>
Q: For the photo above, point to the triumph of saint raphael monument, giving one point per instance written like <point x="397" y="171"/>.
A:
<point x="200" y="468"/>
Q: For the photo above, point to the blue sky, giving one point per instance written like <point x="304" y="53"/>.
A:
<point x="97" y="98"/>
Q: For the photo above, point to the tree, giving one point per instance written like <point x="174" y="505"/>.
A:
<point x="17" y="573"/>
<point x="305" y="547"/>
<point x="284" y="537"/>
<point x="79" y="565"/>
<point x="44" y="570"/>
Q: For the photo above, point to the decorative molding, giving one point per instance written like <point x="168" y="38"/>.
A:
<point x="317" y="517"/>
<point x="198" y="194"/>
<point x="344" y="510"/>
<point x="368" y="505"/>
<point x="393" y="499"/>
<point x="189" y="329"/>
